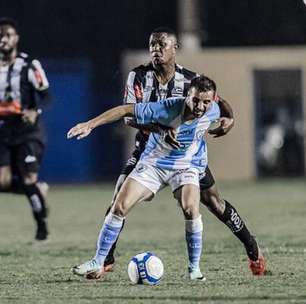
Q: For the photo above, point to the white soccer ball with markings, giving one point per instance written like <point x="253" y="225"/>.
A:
<point x="145" y="268"/>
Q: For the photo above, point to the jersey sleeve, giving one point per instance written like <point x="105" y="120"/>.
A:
<point x="133" y="89"/>
<point x="214" y="112"/>
<point x="163" y="112"/>
<point x="37" y="76"/>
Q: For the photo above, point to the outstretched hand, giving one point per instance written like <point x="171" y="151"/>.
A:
<point x="81" y="130"/>
<point x="225" y="126"/>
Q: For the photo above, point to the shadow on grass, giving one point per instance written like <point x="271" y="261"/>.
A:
<point x="204" y="298"/>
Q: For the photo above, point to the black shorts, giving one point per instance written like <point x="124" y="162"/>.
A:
<point x="23" y="158"/>
<point x="206" y="181"/>
<point x="131" y="162"/>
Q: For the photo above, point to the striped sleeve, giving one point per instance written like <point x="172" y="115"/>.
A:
<point x="214" y="112"/>
<point x="133" y="89"/>
<point x="37" y="76"/>
<point x="163" y="112"/>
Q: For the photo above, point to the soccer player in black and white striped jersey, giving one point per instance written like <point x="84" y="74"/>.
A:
<point x="23" y="84"/>
<point x="157" y="80"/>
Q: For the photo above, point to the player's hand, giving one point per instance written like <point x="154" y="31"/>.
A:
<point x="81" y="130"/>
<point x="170" y="138"/>
<point x="29" y="116"/>
<point x="225" y="126"/>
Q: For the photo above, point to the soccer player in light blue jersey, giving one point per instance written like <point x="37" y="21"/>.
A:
<point x="160" y="165"/>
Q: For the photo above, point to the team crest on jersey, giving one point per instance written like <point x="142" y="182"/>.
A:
<point x="140" y="168"/>
<point x="177" y="91"/>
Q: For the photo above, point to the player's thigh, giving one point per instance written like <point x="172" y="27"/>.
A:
<point x="210" y="195"/>
<point x="183" y="177"/>
<point x="149" y="176"/>
<point x="5" y="166"/>
<point x="185" y="186"/>
<point x="130" y="194"/>
<point x="27" y="158"/>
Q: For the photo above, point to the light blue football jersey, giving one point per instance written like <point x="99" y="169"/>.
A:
<point x="190" y="134"/>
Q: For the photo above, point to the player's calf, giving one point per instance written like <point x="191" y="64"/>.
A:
<point x="5" y="178"/>
<point x="194" y="230"/>
<point x="39" y="210"/>
<point x="94" y="269"/>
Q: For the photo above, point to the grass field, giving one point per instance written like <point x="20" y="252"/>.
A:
<point x="275" y="212"/>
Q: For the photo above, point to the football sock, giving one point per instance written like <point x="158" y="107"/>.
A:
<point x="233" y="220"/>
<point x="194" y="230"/>
<point x="37" y="202"/>
<point x="108" y="235"/>
<point x="110" y="256"/>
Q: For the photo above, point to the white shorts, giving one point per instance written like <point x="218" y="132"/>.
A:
<point x="155" y="178"/>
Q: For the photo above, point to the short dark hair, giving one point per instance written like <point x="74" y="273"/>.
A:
<point x="203" y="84"/>
<point x="11" y="22"/>
<point x="164" y="29"/>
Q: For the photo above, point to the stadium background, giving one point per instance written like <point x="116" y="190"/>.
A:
<point x="87" y="47"/>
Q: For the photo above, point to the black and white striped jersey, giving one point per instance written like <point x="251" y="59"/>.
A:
<point x="143" y="86"/>
<point x="19" y="84"/>
<point x="23" y="85"/>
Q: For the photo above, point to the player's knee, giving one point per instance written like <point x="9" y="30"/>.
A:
<point x="120" y="208"/>
<point x="190" y="209"/>
<point x="30" y="179"/>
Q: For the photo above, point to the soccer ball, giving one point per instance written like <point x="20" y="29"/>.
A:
<point x="145" y="268"/>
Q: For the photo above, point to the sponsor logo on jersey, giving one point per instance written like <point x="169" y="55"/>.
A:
<point x="177" y="91"/>
<point x="140" y="168"/>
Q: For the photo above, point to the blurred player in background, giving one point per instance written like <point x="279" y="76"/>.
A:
<point x="161" y="165"/>
<point x="23" y="90"/>
<point x="163" y="78"/>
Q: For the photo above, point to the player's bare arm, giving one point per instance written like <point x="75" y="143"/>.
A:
<point x="82" y="130"/>
<point x="226" y="121"/>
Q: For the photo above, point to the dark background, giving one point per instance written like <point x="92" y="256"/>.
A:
<point x="96" y="33"/>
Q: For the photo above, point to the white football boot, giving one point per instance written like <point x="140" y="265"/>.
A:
<point x="90" y="269"/>
<point x="196" y="274"/>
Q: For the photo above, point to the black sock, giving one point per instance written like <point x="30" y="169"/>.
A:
<point x="233" y="220"/>
<point x="110" y="256"/>
<point x="37" y="203"/>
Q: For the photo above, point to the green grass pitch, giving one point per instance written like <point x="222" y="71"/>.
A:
<point x="274" y="210"/>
